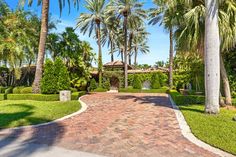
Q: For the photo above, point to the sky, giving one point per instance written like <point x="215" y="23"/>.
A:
<point x="158" y="40"/>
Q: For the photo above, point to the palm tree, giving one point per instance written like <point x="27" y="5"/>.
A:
<point x="190" y="35"/>
<point x="43" y="36"/>
<point x="53" y="45"/>
<point x="128" y="9"/>
<point x="139" y="45"/>
<point x="92" y="21"/>
<point x="166" y="15"/>
<point x="212" y="58"/>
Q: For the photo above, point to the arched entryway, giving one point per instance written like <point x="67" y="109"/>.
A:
<point x="114" y="81"/>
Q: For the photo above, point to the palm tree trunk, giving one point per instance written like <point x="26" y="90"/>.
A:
<point x="99" y="55"/>
<point x="41" y="51"/>
<point x="135" y="56"/>
<point x="130" y="44"/>
<point x="225" y="80"/>
<point x="125" y="50"/>
<point x="212" y="58"/>
<point x="112" y="51"/>
<point x="171" y="58"/>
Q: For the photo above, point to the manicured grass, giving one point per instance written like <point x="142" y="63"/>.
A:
<point x="217" y="130"/>
<point x="129" y="90"/>
<point x="28" y="112"/>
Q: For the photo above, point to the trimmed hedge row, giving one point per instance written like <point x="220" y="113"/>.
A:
<point x="180" y="99"/>
<point x="131" y="90"/>
<point x="39" y="97"/>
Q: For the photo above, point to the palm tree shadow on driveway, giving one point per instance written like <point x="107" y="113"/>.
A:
<point x="156" y="100"/>
<point x="34" y="138"/>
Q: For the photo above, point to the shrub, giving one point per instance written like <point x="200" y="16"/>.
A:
<point x="234" y="94"/>
<point x="73" y="90"/>
<point x="9" y="90"/>
<point x="2" y="89"/>
<point x="62" y="75"/>
<point x="49" y="81"/>
<point x="17" y="90"/>
<point x="2" y="96"/>
<point x="100" y="90"/>
<point x="155" y="81"/>
<point x="106" y="84"/>
<point x="26" y="90"/>
<point x="93" y="84"/>
<point x="76" y="95"/>
<point x="180" y="99"/>
<point x="137" y="84"/>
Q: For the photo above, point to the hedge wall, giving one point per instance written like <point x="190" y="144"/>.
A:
<point x="180" y="99"/>
<point x="42" y="97"/>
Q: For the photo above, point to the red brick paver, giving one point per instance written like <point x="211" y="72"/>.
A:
<point x="120" y="125"/>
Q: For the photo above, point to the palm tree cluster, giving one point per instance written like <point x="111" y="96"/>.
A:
<point x="118" y="24"/>
<point x="205" y="27"/>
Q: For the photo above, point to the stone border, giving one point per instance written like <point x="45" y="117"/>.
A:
<point x="82" y="109"/>
<point x="186" y="132"/>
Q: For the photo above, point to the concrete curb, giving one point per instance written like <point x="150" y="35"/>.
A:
<point x="83" y="108"/>
<point x="186" y="132"/>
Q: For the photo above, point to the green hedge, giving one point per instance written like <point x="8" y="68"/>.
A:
<point x="180" y="99"/>
<point x="130" y="90"/>
<point x="100" y="90"/>
<point x="42" y="97"/>
<point x="2" y="97"/>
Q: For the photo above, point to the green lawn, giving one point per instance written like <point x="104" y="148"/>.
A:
<point x="217" y="130"/>
<point x="28" y="112"/>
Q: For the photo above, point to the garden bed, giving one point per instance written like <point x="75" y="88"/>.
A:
<point x="28" y="112"/>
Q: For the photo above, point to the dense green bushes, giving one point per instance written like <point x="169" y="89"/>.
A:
<point x="180" y="99"/>
<point x="106" y="84"/>
<point x="55" y="77"/>
<point x="137" y="84"/>
<point x="155" y="81"/>
<point x="93" y="84"/>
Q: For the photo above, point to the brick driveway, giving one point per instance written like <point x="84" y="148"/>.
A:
<point x="119" y="125"/>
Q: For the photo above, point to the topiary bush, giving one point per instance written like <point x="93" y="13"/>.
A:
<point x="106" y="84"/>
<point x="49" y="81"/>
<point x="93" y="84"/>
<point x="155" y="81"/>
<point x="26" y="90"/>
<point x="62" y="75"/>
<point x="73" y="90"/>
<point x="137" y="84"/>
<point x="17" y="90"/>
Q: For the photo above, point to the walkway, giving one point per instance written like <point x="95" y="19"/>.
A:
<point x="119" y="125"/>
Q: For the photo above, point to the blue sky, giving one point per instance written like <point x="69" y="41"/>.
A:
<point x="158" y="39"/>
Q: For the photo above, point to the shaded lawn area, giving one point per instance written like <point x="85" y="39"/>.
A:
<point x="216" y="130"/>
<point x="27" y="112"/>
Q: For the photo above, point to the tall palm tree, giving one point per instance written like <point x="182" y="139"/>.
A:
<point x="139" y="45"/>
<point x="92" y="21"/>
<point x="165" y="14"/>
<point x="43" y="36"/>
<point x="212" y="57"/>
<point x="127" y="9"/>
<point x="190" y="34"/>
